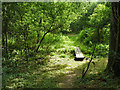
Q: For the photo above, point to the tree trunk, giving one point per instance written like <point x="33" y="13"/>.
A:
<point x="26" y="45"/>
<point x="38" y="36"/>
<point x="6" y="47"/>
<point x="40" y="41"/>
<point x="3" y="40"/>
<point x="114" y="52"/>
<point x="6" y="39"/>
<point x="98" y="33"/>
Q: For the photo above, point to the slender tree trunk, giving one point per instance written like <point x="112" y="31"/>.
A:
<point x="40" y="41"/>
<point x="3" y="41"/>
<point x="38" y="32"/>
<point x="98" y="33"/>
<point x="38" y="36"/>
<point x="6" y="49"/>
<point x="84" y="73"/>
<point x="6" y="39"/>
<point x="114" y="53"/>
<point x="26" y="45"/>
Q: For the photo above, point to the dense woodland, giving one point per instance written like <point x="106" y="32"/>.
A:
<point x="38" y="40"/>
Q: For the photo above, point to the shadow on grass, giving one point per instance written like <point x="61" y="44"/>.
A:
<point x="100" y="80"/>
<point x="53" y="68"/>
<point x="47" y="76"/>
<point x="96" y="77"/>
<point x="35" y="77"/>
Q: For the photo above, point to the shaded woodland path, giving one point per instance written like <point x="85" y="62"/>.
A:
<point x="71" y="72"/>
<point x="62" y="71"/>
<point x="68" y="80"/>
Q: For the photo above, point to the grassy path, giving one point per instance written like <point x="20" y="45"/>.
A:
<point x="64" y="72"/>
<point x="70" y="71"/>
<point x="61" y="72"/>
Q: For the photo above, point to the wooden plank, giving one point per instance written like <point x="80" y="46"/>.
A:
<point x="78" y="54"/>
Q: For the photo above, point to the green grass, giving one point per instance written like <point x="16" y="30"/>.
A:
<point x="96" y="77"/>
<point x="49" y="76"/>
<point x="61" y="63"/>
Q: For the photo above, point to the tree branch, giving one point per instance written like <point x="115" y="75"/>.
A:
<point x="45" y="35"/>
<point x="84" y="73"/>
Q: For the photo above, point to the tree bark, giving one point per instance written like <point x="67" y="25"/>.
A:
<point x="6" y="49"/>
<point x="38" y="32"/>
<point x="25" y="39"/>
<point x="98" y="33"/>
<point x="114" y="50"/>
<point x="41" y="40"/>
<point x="84" y="73"/>
<point x="6" y="38"/>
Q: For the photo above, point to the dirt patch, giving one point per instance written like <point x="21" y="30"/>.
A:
<point x="68" y="80"/>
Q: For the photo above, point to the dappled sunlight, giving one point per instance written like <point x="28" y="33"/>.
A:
<point x="91" y="79"/>
<point x="62" y="71"/>
<point x="60" y="45"/>
<point x="68" y="71"/>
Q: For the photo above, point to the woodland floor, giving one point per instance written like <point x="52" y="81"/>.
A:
<point x="71" y="71"/>
<point x="65" y="66"/>
<point x="67" y="72"/>
<point x="61" y="72"/>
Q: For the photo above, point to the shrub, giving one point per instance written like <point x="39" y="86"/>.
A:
<point x="52" y="54"/>
<point x="63" y="56"/>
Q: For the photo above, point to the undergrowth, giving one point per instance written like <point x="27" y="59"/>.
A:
<point x="47" y="70"/>
<point x="96" y="77"/>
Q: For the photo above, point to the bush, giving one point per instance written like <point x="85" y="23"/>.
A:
<point x="52" y="54"/>
<point x="63" y="56"/>
<point x="102" y="50"/>
<point x="88" y="38"/>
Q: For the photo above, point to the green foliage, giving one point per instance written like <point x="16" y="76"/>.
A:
<point x="51" y="39"/>
<point x="28" y="26"/>
<point x="96" y="77"/>
<point x="52" y="54"/>
<point x="97" y="31"/>
<point x="100" y="16"/>
<point x="26" y="29"/>
<point x="84" y="11"/>
<point x="62" y="55"/>
<point x="102" y="50"/>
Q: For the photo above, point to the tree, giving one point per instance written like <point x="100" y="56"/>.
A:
<point x="84" y="10"/>
<point x="56" y="18"/>
<point x="99" y="19"/>
<point x="6" y="20"/>
<point x="26" y="26"/>
<point x="114" y="50"/>
<point x="96" y="29"/>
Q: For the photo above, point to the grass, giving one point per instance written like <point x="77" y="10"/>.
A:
<point x="61" y="68"/>
<point x="96" y="77"/>
<point x="100" y="80"/>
